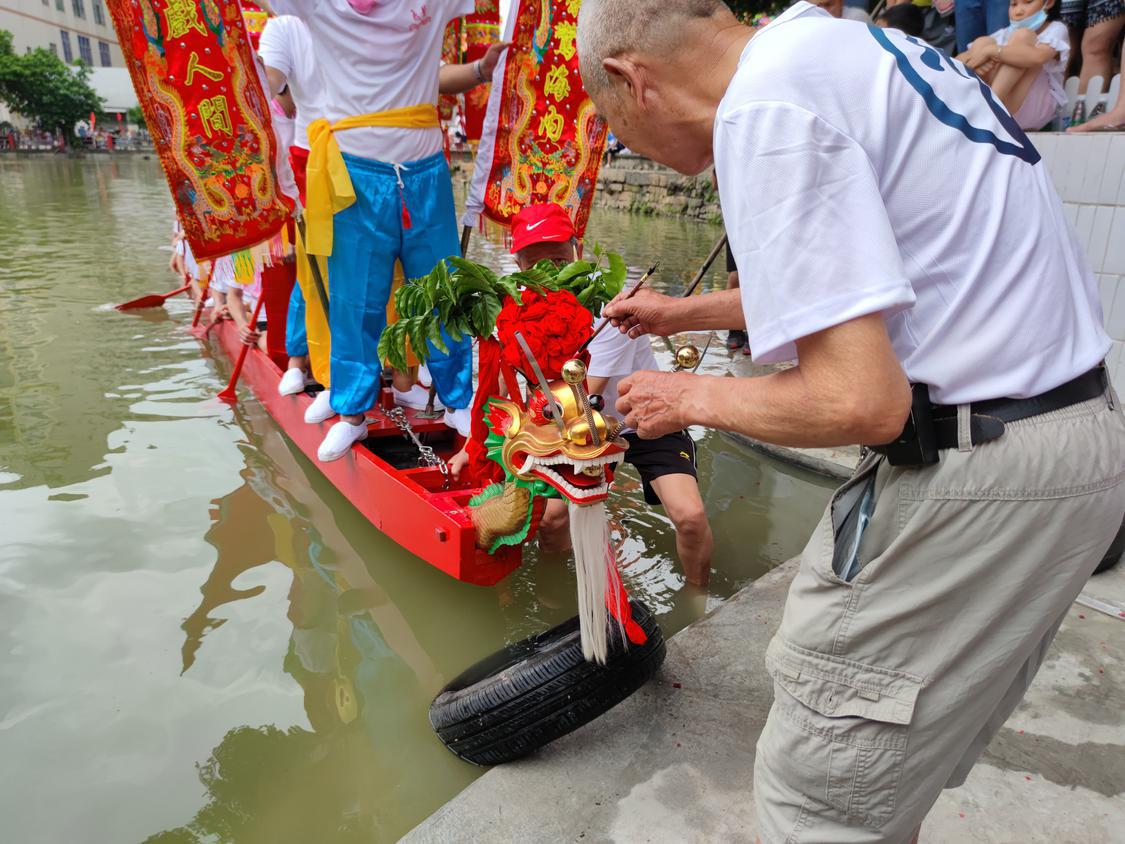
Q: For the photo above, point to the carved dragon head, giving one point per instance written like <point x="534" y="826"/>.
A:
<point x="573" y="457"/>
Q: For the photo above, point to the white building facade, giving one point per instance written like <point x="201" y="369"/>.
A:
<point x="71" y="29"/>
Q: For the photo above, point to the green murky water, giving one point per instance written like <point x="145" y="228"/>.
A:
<point x="183" y="596"/>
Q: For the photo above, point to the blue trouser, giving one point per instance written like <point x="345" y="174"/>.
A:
<point x="974" y="18"/>
<point x="367" y="237"/>
<point x="296" y="337"/>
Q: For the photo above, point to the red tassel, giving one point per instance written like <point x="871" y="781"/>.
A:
<point x="406" y="224"/>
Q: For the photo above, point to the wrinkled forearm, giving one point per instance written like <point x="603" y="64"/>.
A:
<point x="719" y="310"/>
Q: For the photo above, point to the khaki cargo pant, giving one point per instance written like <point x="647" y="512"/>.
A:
<point x="889" y="687"/>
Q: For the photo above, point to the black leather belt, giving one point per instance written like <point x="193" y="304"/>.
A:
<point x="987" y="419"/>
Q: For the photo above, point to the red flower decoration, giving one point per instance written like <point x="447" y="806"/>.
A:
<point x="555" y="325"/>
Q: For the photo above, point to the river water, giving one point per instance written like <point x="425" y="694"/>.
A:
<point x="200" y="639"/>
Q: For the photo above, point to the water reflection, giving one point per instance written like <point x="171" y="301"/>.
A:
<point x="200" y="635"/>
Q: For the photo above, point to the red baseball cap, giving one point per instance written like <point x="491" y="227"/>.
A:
<point x="541" y="223"/>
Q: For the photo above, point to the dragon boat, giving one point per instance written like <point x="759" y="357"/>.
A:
<point x="399" y="485"/>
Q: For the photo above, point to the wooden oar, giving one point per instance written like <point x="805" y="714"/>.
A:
<point x="314" y="267"/>
<point x="153" y="300"/>
<point x="204" y="286"/>
<point x="715" y="250"/>
<point x="229" y="395"/>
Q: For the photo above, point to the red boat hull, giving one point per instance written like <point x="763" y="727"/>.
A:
<point x="408" y="505"/>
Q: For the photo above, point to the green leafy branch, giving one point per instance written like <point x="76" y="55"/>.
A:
<point x="465" y="298"/>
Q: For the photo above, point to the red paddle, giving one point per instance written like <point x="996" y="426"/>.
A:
<point x="204" y="286"/>
<point x="229" y="395"/>
<point x="153" y="300"/>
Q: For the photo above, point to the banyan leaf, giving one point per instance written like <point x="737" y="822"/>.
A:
<point x="484" y="315"/>
<point x="510" y="286"/>
<point x="446" y="283"/>
<point x="584" y="296"/>
<point x="455" y="329"/>
<point x="416" y="330"/>
<point x="433" y="332"/>
<point x="472" y="270"/>
<point x="536" y="279"/>
<point x="467" y="283"/>
<point x="614" y="278"/>
<point x="391" y="347"/>
<point x="574" y="270"/>
<point x="411" y="299"/>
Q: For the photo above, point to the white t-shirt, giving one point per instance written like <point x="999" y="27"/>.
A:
<point x="614" y="355"/>
<point x="1054" y="35"/>
<point x="862" y="171"/>
<point x="287" y="47"/>
<point x="386" y="59"/>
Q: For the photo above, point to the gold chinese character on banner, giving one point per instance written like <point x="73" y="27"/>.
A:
<point x="551" y="125"/>
<point x="194" y="67"/>
<point x="182" y="15"/>
<point x="567" y="32"/>
<point x="214" y="114"/>
<point x="556" y="85"/>
<point x="572" y="6"/>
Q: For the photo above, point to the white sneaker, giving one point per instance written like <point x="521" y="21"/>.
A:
<point x="460" y="420"/>
<point x="424" y="377"/>
<point x="416" y="397"/>
<point x="320" y="410"/>
<point x="292" y="382"/>
<point x="339" y="440"/>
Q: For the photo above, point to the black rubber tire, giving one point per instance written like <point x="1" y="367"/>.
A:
<point x="532" y="692"/>
<point x="1113" y="555"/>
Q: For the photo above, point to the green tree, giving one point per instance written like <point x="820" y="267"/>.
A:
<point x="45" y="90"/>
<point x="136" y="116"/>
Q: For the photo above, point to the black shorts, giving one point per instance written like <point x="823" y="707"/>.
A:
<point x="671" y="454"/>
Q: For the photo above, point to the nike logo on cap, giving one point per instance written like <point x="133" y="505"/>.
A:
<point x="533" y="226"/>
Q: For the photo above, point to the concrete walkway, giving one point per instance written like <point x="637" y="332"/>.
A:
<point x="674" y="763"/>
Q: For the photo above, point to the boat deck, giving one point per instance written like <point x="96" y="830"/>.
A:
<point x="415" y="505"/>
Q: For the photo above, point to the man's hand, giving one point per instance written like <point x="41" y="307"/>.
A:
<point x="647" y="312"/>
<point x="656" y="403"/>
<point x="491" y="58"/>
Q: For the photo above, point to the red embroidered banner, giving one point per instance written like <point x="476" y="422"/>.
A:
<point x="194" y="74"/>
<point x="482" y="28"/>
<point x="543" y="140"/>
<point x="466" y="40"/>
<point x="450" y="54"/>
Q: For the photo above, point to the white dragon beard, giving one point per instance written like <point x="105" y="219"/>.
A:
<point x="594" y="565"/>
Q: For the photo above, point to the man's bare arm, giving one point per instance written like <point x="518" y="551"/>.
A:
<point x="459" y="78"/>
<point x="649" y="312"/>
<point x="849" y="388"/>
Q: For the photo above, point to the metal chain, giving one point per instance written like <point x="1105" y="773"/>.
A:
<point x="429" y="457"/>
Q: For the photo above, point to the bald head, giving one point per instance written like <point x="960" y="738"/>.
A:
<point x="657" y="70"/>
<point x="609" y="28"/>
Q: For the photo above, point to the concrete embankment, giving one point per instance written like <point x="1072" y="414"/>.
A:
<point x="674" y="763"/>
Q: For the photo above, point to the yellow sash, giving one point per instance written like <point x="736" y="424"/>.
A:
<point x="329" y="187"/>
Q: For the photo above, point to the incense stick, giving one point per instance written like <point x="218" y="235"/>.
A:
<point x="630" y="295"/>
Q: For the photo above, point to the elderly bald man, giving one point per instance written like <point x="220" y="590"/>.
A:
<point x="955" y="330"/>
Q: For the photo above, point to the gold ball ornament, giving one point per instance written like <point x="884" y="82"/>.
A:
<point x="687" y="357"/>
<point x="574" y="371"/>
